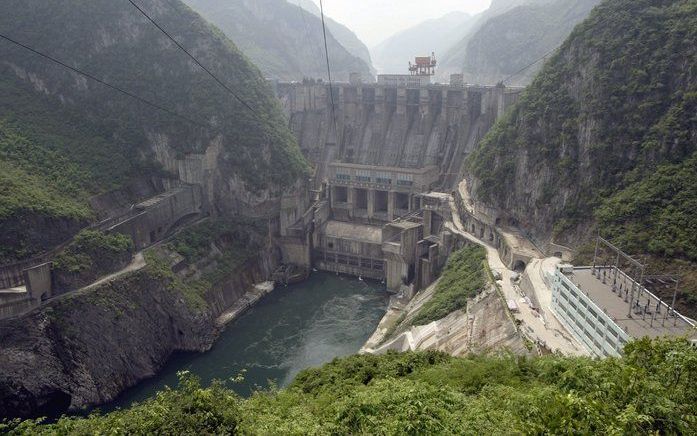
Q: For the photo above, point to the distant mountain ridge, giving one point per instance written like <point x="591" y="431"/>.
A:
<point x="436" y="35"/>
<point x="283" y="39"/>
<point x="343" y="34"/>
<point x="513" y="37"/>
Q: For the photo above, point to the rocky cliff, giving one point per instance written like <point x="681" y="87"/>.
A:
<point x="85" y="348"/>
<point x="510" y="36"/>
<point x="346" y="37"/>
<point x="64" y="138"/>
<point x="509" y="42"/>
<point x="283" y="39"/>
<point x="605" y="137"/>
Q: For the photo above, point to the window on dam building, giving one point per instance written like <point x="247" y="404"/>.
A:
<point x="381" y="201"/>
<point x="401" y="201"/>
<point x="341" y="194"/>
<point x="361" y="199"/>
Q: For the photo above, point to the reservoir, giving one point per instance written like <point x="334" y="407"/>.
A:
<point x="293" y="328"/>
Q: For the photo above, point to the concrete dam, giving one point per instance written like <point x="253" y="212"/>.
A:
<point x="386" y="158"/>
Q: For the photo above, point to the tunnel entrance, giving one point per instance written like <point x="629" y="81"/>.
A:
<point x="519" y="266"/>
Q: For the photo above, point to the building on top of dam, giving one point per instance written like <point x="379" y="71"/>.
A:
<point x="381" y="156"/>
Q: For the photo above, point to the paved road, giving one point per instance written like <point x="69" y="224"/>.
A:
<point x="137" y="263"/>
<point x="534" y="325"/>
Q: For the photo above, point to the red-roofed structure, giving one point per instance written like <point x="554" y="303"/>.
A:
<point x="423" y="66"/>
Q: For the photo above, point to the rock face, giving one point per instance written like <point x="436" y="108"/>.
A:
<point x="512" y="35"/>
<point x="343" y="34"/>
<point x="284" y="40"/>
<point x="605" y="138"/>
<point x="64" y="138"/>
<point x="509" y="42"/>
<point x="85" y="348"/>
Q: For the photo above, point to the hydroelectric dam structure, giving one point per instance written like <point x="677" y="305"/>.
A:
<point x="386" y="156"/>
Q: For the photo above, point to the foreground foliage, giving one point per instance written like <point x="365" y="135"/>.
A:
<point x="463" y="277"/>
<point x="650" y="390"/>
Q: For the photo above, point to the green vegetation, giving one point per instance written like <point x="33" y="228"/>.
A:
<point x="51" y="162"/>
<point x="463" y="277"/>
<point x="649" y="391"/>
<point x="193" y="293"/>
<point x="65" y="138"/>
<point x="89" y="255"/>
<point x="92" y="249"/>
<point x="218" y="248"/>
<point x="608" y="131"/>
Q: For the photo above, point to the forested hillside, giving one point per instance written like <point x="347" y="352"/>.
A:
<point x="64" y="137"/>
<point x="649" y="391"/>
<point x="282" y="39"/>
<point x="605" y="138"/>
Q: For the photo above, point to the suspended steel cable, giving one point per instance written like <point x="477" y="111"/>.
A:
<point x="308" y="37"/>
<point x="108" y="85"/>
<point x="233" y="93"/>
<point x="329" y="71"/>
<point x="529" y="65"/>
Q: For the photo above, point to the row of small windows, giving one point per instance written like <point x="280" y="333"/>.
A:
<point x="382" y="178"/>
<point x="610" y="334"/>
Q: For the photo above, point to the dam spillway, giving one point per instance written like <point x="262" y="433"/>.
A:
<point x="385" y="156"/>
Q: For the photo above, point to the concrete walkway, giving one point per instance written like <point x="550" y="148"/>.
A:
<point x="533" y="325"/>
<point x="137" y="263"/>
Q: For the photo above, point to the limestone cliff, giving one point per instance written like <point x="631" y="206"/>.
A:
<point x="85" y="348"/>
<point x="64" y="138"/>
<point x="605" y="137"/>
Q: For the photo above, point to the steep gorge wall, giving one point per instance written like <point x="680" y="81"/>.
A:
<point x="85" y="348"/>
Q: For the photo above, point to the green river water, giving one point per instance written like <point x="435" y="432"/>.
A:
<point x="293" y="328"/>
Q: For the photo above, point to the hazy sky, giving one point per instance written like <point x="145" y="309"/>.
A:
<point x="375" y="20"/>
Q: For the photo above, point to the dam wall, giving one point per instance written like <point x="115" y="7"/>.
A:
<point x="390" y="126"/>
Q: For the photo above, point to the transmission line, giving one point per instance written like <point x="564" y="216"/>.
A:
<point x="329" y="71"/>
<point x="529" y="65"/>
<point x="108" y="85"/>
<point x="234" y="94"/>
<point x="308" y="37"/>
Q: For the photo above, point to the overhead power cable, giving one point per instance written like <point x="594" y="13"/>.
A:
<point x="329" y="70"/>
<point x="108" y="85"/>
<point x="308" y="37"/>
<point x="234" y="94"/>
<point x="529" y="65"/>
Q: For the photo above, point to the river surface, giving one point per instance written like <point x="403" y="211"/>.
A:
<point x="291" y="329"/>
